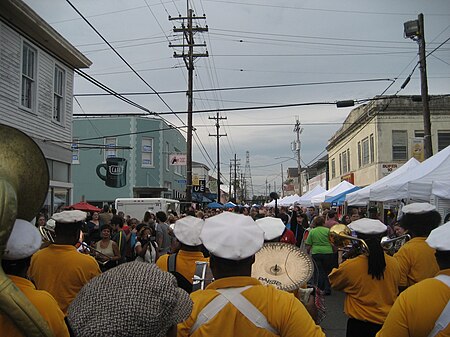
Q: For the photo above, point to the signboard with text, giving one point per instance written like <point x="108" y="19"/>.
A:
<point x="388" y="168"/>
<point x="177" y="159"/>
<point x="200" y="187"/>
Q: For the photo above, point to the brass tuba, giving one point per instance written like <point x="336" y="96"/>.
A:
<point x="24" y="182"/>
<point x="341" y="237"/>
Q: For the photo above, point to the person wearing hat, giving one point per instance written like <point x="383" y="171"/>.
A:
<point x="59" y="268"/>
<point x="236" y="304"/>
<point x="416" y="257"/>
<point x="423" y="309"/>
<point x="369" y="280"/>
<point x="109" y="306"/>
<point x="183" y="263"/>
<point x="23" y="242"/>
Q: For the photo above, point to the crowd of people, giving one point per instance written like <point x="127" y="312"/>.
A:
<point x="108" y="274"/>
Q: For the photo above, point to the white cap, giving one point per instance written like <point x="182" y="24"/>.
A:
<point x="439" y="238"/>
<point x="23" y="242"/>
<point x="51" y="224"/>
<point x="187" y="230"/>
<point x="418" y="208"/>
<point x="272" y="227"/>
<point x="232" y="236"/>
<point x="368" y="226"/>
<point x="69" y="216"/>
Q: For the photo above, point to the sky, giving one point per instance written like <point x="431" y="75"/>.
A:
<point x="289" y="52"/>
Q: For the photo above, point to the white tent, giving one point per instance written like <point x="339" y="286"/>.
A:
<point x="338" y="189"/>
<point x="288" y="200"/>
<point x="417" y="183"/>
<point x="361" y="197"/>
<point x="441" y="189"/>
<point x="305" y="199"/>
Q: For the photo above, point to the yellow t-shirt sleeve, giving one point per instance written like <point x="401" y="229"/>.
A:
<point x="50" y="311"/>
<point x="402" y="258"/>
<point x="396" y="323"/>
<point x="162" y="262"/>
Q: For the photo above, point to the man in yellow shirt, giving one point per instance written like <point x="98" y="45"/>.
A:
<point x="416" y="257"/>
<point x="60" y="269"/>
<point x="183" y="264"/>
<point x="236" y="304"/>
<point x="22" y="243"/>
<point x="417" y="311"/>
<point x="370" y="282"/>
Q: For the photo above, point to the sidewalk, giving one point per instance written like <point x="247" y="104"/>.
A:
<point x="334" y="325"/>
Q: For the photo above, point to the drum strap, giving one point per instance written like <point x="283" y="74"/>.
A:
<point x="444" y="318"/>
<point x="244" y="306"/>
<point x="199" y="275"/>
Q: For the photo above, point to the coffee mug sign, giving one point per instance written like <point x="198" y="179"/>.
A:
<point x="116" y="172"/>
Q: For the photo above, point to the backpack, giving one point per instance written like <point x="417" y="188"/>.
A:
<point x="182" y="282"/>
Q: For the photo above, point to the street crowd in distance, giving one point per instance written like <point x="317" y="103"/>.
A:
<point x="168" y="274"/>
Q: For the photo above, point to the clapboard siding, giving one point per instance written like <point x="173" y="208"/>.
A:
<point x="38" y="123"/>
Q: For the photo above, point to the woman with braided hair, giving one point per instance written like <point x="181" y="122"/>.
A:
<point x="370" y="281"/>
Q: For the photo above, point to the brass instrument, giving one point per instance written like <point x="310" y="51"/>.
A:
<point x="341" y="237"/>
<point x="24" y="182"/>
<point x="392" y="246"/>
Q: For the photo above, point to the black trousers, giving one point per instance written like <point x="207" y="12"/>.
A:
<point x="357" y="328"/>
<point x="325" y="263"/>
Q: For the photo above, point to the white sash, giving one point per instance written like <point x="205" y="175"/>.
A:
<point x="444" y="318"/>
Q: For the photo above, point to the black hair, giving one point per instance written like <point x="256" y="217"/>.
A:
<point x="420" y="225"/>
<point x="443" y="258"/>
<point x="117" y="220"/>
<point x="161" y="216"/>
<point x="376" y="259"/>
<point x="16" y="267"/>
<point x="447" y="218"/>
<point x="105" y="226"/>
<point x="284" y="217"/>
<point x="68" y="231"/>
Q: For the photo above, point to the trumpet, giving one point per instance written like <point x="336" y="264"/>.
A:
<point x="392" y="246"/>
<point x="341" y="237"/>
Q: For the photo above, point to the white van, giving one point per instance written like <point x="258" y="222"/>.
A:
<point x="136" y="207"/>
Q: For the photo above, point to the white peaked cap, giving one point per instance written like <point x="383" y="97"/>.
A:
<point x="23" y="242"/>
<point x="272" y="227"/>
<point x="439" y="238"/>
<point x="187" y="230"/>
<point x="418" y="208"/>
<point x="368" y="226"/>
<point x="232" y="236"/>
<point x="69" y="216"/>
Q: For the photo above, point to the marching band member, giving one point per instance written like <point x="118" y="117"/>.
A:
<point x="182" y="264"/>
<point x="420" y="309"/>
<point x="236" y="304"/>
<point x="60" y="269"/>
<point x="23" y="242"/>
<point x="416" y="257"/>
<point x="370" y="282"/>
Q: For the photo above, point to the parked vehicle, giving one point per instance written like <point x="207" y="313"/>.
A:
<point x="136" y="207"/>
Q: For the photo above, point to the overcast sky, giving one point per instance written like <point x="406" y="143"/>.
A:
<point x="255" y="43"/>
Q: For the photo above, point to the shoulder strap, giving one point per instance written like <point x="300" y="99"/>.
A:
<point x="444" y="318"/>
<point x="199" y="275"/>
<point x="172" y="263"/>
<point x="244" y="306"/>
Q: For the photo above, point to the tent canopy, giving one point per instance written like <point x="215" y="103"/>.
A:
<point x="305" y="199"/>
<point x="339" y="188"/>
<point x="84" y="206"/>
<point x="229" y="204"/>
<point x="361" y="197"/>
<point x="214" y="205"/>
<point x="339" y="199"/>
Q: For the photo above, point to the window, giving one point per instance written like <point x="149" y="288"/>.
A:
<point x="399" y="145"/>
<point x="348" y="160"/>
<point x="28" y="90"/>
<point x="418" y="134"/>
<point x="110" y="147"/>
<point x="344" y="159"/>
<point x="359" y="154"/>
<point x="372" y="148"/>
<point x="443" y="139"/>
<point x="166" y="154"/>
<point x="365" y="152"/>
<point x="147" y="152"/>
<point x="58" y="94"/>
<point x="333" y="168"/>
<point x="75" y="152"/>
<point x="340" y="163"/>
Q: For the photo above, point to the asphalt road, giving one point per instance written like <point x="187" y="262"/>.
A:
<point x="335" y="322"/>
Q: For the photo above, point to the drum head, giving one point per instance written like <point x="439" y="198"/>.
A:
<point x="282" y="265"/>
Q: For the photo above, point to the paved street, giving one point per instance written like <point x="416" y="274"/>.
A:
<point x="335" y="322"/>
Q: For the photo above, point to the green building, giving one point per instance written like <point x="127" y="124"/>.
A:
<point x="148" y="145"/>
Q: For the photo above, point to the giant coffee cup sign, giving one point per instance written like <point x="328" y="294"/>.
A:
<point x="116" y="172"/>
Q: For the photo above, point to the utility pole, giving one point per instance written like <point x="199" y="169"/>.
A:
<point x="229" y="187"/>
<point x="235" y="162"/>
<point x="282" y="181"/>
<point x="266" y="194"/>
<point x="296" y="148"/>
<point x="218" y="135"/>
<point x="415" y="30"/>
<point x="189" y="57"/>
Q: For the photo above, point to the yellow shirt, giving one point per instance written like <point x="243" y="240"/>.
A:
<point x="417" y="261"/>
<point x="44" y="303"/>
<point x="282" y="310"/>
<point x="62" y="271"/>
<point x="417" y="308"/>
<point x="366" y="299"/>
<point x="185" y="263"/>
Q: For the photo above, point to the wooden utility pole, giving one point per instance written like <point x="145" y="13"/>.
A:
<point x="218" y="135"/>
<point x="296" y="148"/>
<point x="235" y="162"/>
<point x="189" y="57"/>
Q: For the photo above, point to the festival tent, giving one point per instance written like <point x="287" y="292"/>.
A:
<point x="288" y="200"/>
<point x="305" y="199"/>
<point x="339" y="188"/>
<point x="441" y="189"/>
<point x="214" y="205"/>
<point x="84" y="206"/>
<point x="417" y="183"/>
<point x="339" y="199"/>
<point x="229" y="204"/>
<point x="361" y="197"/>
